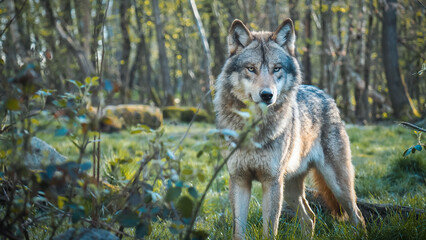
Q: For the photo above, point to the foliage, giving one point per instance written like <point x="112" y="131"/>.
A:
<point x="419" y="146"/>
<point x="157" y="187"/>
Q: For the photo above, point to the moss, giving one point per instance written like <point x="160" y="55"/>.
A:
<point x="130" y="115"/>
<point x="185" y="114"/>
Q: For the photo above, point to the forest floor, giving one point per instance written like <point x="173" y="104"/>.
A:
<point x="382" y="176"/>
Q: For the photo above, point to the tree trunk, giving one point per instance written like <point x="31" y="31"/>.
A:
<point x="97" y="27"/>
<point x="83" y="9"/>
<point x="307" y="68"/>
<point x="207" y="83"/>
<point x="125" y="51"/>
<point x="17" y="55"/>
<point x="325" y="58"/>
<point x="366" y="72"/>
<point x="397" y="95"/>
<point x="271" y="10"/>
<point x="215" y="40"/>
<point x="164" y="62"/>
<point x="82" y="59"/>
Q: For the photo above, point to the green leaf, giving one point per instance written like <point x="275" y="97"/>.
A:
<point x="418" y="147"/>
<point x="173" y="193"/>
<point x="127" y="218"/>
<point x="200" y="153"/>
<point x="185" y="206"/>
<point x="187" y="171"/>
<point x="95" y="81"/>
<point x="85" y="166"/>
<point x="77" y="214"/>
<point x="50" y="171"/>
<point x="87" y="80"/>
<point x="12" y="104"/>
<point x="76" y="83"/>
<point x="61" y="132"/>
<point x="407" y="152"/>
<point x="143" y="229"/>
<point x="199" y="235"/>
<point x="193" y="192"/>
<point x="201" y="177"/>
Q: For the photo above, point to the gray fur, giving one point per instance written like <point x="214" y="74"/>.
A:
<point x="301" y="130"/>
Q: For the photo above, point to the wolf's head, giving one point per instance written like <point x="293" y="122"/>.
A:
<point x="261" y="66"/>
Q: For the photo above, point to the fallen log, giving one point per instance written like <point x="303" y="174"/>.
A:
<point x="370" y="211"/>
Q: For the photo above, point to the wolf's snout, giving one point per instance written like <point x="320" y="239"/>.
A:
<point x="266" y="95"/>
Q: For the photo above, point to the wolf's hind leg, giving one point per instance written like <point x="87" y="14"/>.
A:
<point x="294" y="195"/>
<point x="239" y="194"/>
<point x="336" y="173"/>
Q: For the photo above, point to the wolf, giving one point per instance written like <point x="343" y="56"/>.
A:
<point x="300" y="131"/>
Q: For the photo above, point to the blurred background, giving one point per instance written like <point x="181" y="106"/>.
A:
<point x="367" y="54"/>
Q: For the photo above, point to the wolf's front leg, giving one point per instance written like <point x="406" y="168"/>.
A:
<point x="271" y="204"/>
<point x="239" y="194"/>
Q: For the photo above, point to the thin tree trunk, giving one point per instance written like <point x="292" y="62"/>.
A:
<point x="366" y="73"/>
<point x="271" y="10"/>
<point x="207" y="83"/>
<point x="397" y="95"/>
<point x="97" y="27"/>
<point x="164" y="62"/>
<point x="83" y="9"/>
<point x="125" y="51"/>
<point x="19" y="54"/>
<point x="325" y="58"/>
<point x="360" y="60"/>
<point x="215" y="41"/>
<point x="308" y="39"/>
<point x="82" y="59"/>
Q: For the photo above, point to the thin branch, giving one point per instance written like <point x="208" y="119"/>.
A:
<point x="13" y="18"/>
<point x="410" y="125"/>
<point x="421" y="4"/>
<point x="192" y="121"/>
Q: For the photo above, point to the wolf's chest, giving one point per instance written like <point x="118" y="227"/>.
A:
<point x="258" y="164"/>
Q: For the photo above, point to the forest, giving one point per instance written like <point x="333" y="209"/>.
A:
<point x="107" y="124"/>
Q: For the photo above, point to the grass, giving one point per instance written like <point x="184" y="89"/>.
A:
<point x="382" y="176"/>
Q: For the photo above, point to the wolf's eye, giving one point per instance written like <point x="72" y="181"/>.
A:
<point x="277" y="69"/>
<point x="251" y="69"/>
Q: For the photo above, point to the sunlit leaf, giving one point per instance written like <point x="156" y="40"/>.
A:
<point x="61" y="201"/>
<point x="187" y="171"/>
<point x="12" y="104"/>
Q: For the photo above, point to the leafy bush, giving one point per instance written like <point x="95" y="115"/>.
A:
<point x="74" y="193"/>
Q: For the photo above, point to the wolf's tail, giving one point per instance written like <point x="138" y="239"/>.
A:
<point x="327" y="195"/>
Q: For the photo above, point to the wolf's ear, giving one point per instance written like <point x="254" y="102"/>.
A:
<point x="239" y="37"/>
<point x="284" y="35"/>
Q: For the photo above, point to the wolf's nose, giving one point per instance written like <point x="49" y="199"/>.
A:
<point x="266" y="95"/>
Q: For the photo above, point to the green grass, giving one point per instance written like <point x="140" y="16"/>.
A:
<point x="382" y="176"/>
